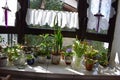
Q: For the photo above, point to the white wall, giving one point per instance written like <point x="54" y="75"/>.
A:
<point x="116" y="41"/>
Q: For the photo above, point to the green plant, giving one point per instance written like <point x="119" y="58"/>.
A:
<point x="68" y="52"/>
<point x="90" y="52"/>
<point x="53" y="5"/>
<point x="35" y="4"/>
<point x="29" y="56"/>
<point x="103" y="59"/>
<point x="79" y="48"/>
<point x="13" y="52"/>
<point x="57" y="37"/>
<point x="46" y="44"/>
<point x="90" y="57"/>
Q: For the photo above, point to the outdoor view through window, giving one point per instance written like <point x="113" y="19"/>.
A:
<point x="42" y="14"/>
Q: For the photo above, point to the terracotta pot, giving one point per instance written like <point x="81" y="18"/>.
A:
<point x="89" y="65"/>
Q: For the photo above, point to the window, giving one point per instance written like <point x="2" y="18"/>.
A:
<point x="8" y="39"/>
<point x="99" y="14"/>
<point x="83" y="30"/>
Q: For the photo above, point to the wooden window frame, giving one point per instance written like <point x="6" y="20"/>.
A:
<point x="21" y="27"/>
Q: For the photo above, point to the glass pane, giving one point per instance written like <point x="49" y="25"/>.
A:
<point x="102" y="47"/>
<point x="8" y="39"/>
<point x="10" y="13"/>
<point x="42" y="14"/>
<point x="99" y="15"/>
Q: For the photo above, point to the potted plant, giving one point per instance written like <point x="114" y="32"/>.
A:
<point x="44" y="48"/>
<point x="79" y="48"/>
<point x="90" y="57"/>
<point x="103" y="60"/>
<point x="68" y="54"/>
<point x="16" y="55"/>
<point x="58" y="39"/>
<point x="41" y="54"/>
<point x="30" y="59"/>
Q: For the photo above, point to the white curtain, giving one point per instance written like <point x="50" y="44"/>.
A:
<point x="43" y="17"/>
<point x="105" y="10"/>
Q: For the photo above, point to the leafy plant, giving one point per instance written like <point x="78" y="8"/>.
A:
<point x="13" y="52"/>
<point x="57" y="37"/>
<point x="30" y="56"/>
<point x="90" y="52"/>
<point x="103" y="59"/>
<point x="46" y="44"/>
<point x="79" y="48"/>
<point x="68" y="52"/>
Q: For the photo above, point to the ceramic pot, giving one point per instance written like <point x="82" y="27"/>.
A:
<point x="68" y="60"/>
<point x="3" y="61"/>
<point x="55" y="59"/>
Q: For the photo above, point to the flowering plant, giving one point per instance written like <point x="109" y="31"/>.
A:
<point x="68" y="52"/>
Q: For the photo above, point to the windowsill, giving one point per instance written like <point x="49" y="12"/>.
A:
<point x="63" y="69"/>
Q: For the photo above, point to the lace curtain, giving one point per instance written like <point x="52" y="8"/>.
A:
<point x="43" y="17"/>
<point x="105" y="11"/>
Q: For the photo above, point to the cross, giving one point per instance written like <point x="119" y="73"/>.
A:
<point x="6" y="9"/>
<point x="99" y="15"/>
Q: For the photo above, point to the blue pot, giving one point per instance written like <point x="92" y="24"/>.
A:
<point x="30" y="61"/>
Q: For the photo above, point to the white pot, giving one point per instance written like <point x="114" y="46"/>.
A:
<point x="42" y="59"/>
<point x="3" y="61"/>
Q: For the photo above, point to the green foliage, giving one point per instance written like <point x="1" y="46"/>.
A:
<point x="49" y="4"/>
<point x="57" y="36"/>
<point x="33" y="40"/>
<point x="103" y="59"/>
<point x="1" y="39"/>
<point x="90" y="52"/>
<point x="99" y="46"/>
<point x="13" y="52"/>
<point x="79" y="48"/>
<point x="35" y="4"/>
<point x="67" y="50"/>
<point x="30" y="56"/>
<point x="46" y="44"/>
<point x="53" y="5"/>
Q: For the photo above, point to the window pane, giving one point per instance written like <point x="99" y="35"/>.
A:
<point x="99" y="15"/>
<point x="42" y="14"/>
<point x="101" y="46"/>
<point x="10" y="14"/>
<point x="8" y="39"/>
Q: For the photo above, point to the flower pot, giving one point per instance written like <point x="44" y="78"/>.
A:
<point x="42" y="59"/>
<point x="19" y="62"/>
<point x="30" y="61"/>
<point x="3" y="61"/>
<point x="55" y="59"/>
<point x="89" y="64"/>
<point x="68" y="60"/>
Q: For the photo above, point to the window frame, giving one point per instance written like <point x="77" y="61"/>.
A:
<point x="22" y="29"/>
